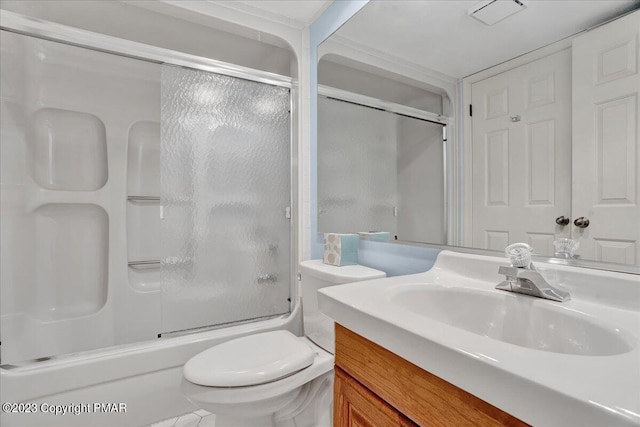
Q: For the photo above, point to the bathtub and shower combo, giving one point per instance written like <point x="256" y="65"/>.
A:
<point x="146" y="216"/>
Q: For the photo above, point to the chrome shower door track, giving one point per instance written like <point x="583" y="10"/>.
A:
<point x="34" y="27"/>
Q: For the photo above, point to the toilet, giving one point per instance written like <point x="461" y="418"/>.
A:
<point x="275" y="379"/>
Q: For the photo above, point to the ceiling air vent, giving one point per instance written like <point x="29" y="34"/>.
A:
<point x="490" y="12"/>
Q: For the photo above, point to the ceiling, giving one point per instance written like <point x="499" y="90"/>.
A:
<point x="439" y="35"/>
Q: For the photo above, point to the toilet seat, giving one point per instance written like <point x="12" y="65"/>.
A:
<point x="206" y="396"/>
<point x="250" y="361"/>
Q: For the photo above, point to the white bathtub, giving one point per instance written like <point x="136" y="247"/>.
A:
<point x="145" y="377"/>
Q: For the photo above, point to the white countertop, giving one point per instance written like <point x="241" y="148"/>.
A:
<point x="541" y="388"/>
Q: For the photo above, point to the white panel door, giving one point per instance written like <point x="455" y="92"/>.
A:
<point x="521" y="155"/>
<point x="606" y="153"/>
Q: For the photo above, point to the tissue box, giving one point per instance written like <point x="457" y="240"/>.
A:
<point x="375" y="236"/>
<point x="340" y="249"/>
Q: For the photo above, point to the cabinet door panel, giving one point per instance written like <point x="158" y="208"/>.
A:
<point x="356" y="406"/>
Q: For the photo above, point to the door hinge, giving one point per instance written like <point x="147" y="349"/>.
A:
<point x="470" y="110"/>
<point x="287" y="212"/>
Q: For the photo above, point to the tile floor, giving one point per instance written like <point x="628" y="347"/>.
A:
<point x="200" y="418"/>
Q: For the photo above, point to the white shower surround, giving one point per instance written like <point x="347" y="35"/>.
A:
<point x="64" y="286"/>
<point x="147" y="374"/>
<point x="65" y="281"/>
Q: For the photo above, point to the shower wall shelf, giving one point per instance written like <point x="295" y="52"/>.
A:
<point x="143" y="262"/>
<point x="143" y="198"/>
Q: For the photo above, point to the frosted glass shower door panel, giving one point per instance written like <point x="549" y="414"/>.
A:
<point x="357" y="168"/>
<point x="420" y="181"/>
<point x="224" y="186"/>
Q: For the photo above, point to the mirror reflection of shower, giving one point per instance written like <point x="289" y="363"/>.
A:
<point x="380" y="170"/>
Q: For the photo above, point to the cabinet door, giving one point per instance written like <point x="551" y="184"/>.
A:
<point x="357" y="406"/>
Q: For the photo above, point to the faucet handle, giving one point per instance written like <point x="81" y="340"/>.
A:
<point x="519" y="254"/>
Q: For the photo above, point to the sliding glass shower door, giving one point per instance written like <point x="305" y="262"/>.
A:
<point x="225" y="192"/>
<point x="86" y="261"/>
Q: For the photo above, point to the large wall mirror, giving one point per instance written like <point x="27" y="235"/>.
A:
<point x="481" y="124"/>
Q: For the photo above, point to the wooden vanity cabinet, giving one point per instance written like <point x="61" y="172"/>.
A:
<point x="377" y="388"/>
<point x="356" y="405"/>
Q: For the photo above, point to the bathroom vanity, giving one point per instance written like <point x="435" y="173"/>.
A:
<point x="446" y="348"/>
<point x="375" y="387"/>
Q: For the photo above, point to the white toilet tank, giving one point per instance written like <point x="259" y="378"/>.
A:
<point x="315" y="275"/>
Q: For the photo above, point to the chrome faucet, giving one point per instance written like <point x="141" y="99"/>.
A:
<point x="523" y="278"/>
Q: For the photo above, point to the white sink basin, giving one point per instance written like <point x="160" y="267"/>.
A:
<point x="547" y="363"/>
<point x="515" y="319"/>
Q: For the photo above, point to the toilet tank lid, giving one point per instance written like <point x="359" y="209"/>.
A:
<point x="337" y="275"/>
<point x="251" y="360"/>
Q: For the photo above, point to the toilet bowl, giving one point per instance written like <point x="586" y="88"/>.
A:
<point x="275" y="379"/>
